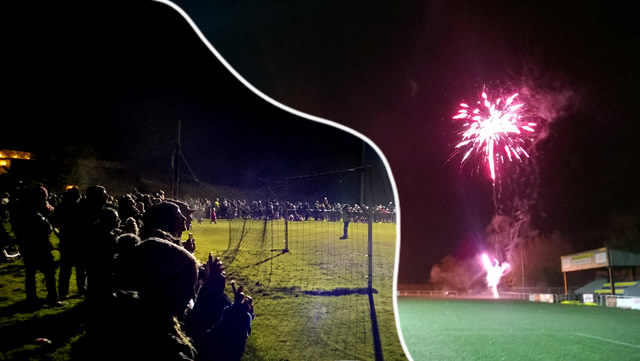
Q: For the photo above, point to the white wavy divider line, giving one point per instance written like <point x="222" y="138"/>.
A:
<point x="323" y="121"/>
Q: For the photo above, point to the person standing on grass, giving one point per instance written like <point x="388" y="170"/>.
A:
<point x="32" y="229"/>
<point x="101" y="261"/>
<point x="200" y="213"/>
<point x="65" y="219"/>
<point x="213" y="215"/>
<point x="346" y="218"/>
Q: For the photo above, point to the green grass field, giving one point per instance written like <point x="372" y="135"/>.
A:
<point x="310" y="301"/>
<point x="449" y="329"/>
<point x="302" y="309"/>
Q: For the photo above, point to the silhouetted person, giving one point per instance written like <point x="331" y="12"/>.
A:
<point x="101" y="257"/>
<point x="130" y="226"/>
<point x="211" y="299"/>
<point x="124" y="261"/>
<point x="127" y="208"/>
<point x="186" y="211"/>
<point x="32" y="230"/>
<point x="143" y="324"/>
<point x="66" y="218"/>
<point x="346" y="218"/>
<point x="165" y="220"/>
<point x="7" y="242"/>
<point x="227" y="339"/>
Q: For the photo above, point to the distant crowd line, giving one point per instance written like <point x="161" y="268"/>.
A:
<point x="292" y="211"/>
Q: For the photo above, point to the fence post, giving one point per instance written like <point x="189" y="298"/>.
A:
<point x="286" y="228"/>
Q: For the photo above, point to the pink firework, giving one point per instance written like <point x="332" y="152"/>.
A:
<point x="496" y="131"/>
<point x="494" y="273"/>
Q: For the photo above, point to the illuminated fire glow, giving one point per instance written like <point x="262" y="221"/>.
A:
<point x="494" y="273"/>
<point x="496" y="131"/>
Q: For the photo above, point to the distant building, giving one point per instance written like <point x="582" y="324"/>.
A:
<point x="7" y="156"/>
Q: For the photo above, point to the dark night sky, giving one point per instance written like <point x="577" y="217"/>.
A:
<point x="393" y="71"/>
<point x="123" y="79"/>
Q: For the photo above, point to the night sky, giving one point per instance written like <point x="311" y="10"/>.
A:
<point x="116" y="86"/>
<point x="393" y="71"/>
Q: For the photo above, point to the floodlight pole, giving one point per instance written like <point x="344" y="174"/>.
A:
<point x="363" y="174"/>
<point x="175" y="181"/>
<point x="613" y="285"/>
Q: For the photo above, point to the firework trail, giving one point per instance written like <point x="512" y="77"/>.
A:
<point x="495" y="132"/>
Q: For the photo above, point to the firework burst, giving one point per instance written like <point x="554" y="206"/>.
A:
<point x="495" y="132"/>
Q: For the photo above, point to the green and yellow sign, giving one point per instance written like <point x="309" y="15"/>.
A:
<point x="597" y="258"/>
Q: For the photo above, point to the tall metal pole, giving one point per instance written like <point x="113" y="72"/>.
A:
<point x="363" y="174"/>
<point x="613" y="285"/>
<point x="370" y="244"/>
<point x="172" y="174"/>
<point x="286" y="218"/>
<point x="522" y="263"/>
<point x="286" y="228"/>
<point x="178" y="162"/>
<point x="175" y="167"/>
<point x="377" y="344"/>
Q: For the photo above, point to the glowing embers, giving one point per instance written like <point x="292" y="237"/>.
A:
<point x="494" y="273"/>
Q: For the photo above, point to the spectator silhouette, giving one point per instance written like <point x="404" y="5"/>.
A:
<point x="130" y="226"/>
<point x="101" y="259"/>
<point x="143" y="324"/>
<point x="32" y="229"/>
<point x="65" y="218"/>
<point x="127" y="208"/>
<point x="346" y="218"/>
<point x="157" y="280"/>
<point x="227" y="339"/>
<point x="165" y="220"/>
<point x="186" y="211"/>
<point x="124" y="262"/>
<point x="211" y="300"/>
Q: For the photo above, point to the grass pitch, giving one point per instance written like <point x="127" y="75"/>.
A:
<point x="311" y="302"/>
<point x="295" y="318"/>
<point x="450" y="329"/>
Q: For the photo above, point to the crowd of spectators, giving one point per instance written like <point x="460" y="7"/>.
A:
<point x="292" y="211"/>
<point x="145" y="294"/>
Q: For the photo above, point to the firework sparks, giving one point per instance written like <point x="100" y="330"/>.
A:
<point x="494" y="273"/>
<point x="496" y="131"/>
